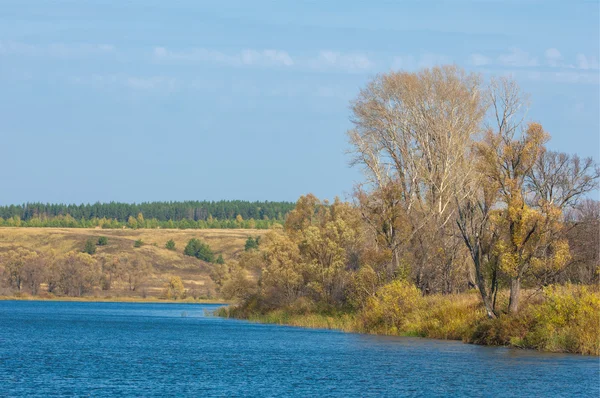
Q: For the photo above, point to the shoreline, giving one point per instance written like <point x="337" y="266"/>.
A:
<point x="347" y="323"/>
<point x="114" y="300"/>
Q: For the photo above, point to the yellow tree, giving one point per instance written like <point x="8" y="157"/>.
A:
<point x="281" y="276"/>
<point x="132" y="222"/>
<point x="527" y="236"/>
<point x="141" y="223"/>
<point x="329" y="248"/>
<point x="174" y="289"/>
<point x="15" y="264"/>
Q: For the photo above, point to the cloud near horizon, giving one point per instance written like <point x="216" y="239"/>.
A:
<point x="324" y="60"/>
<point x="59" y="50"/>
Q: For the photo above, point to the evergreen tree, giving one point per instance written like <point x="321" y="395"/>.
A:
<point x="170" y="244"/>
<point x="102" y="241"/>
<point x="200" y="250"/>
<point x="90" y="247"/>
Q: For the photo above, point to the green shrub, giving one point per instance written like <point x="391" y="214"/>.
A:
<point x="90" y="247"/>
<point x="102" y="241"/>
<point x="252" y="243"/>
<point x="199" y="249"/>
<point x="138" y="243"/>
<point x="170" y="245"/>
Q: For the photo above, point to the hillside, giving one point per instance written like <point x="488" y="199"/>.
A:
<point x="164" y="263"/>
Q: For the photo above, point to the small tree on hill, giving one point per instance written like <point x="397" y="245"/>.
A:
<point x="252" y="243"/>
<point x="138" y="243"/>
<point x="220" y="259"/>
<point x="170" y="245"/>
<point x="199" y="249"/>
<point x="102" y="241"/>
<point x="90" y="247"/>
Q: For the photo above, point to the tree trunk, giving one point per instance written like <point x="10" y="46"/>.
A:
<point x="515" y="292"/>
<point x="487" y="302"/>
<point x="396" y="265"/>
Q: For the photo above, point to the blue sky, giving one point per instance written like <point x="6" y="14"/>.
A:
<point x="176" y="100"/>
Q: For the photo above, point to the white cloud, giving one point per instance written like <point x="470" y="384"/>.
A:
<point x="553" y="57"/>
<point x="248" y="57"/>
<point x="517" y="58"/>
<point x="349" y="62"/>
<point x="429" y="60"/>
<point x="425" y="60"/>
<point x="151" y="83"/>
<point x="584" y="62"/>
<point x="325" y="60"/>
<point x="574" y="77"/>
<point x="405" y="62"/>
<point x="265" y="57"/>
<point x="479" y="60"/>
<point x="143" y="83"/>
<point x="58" y="50"/>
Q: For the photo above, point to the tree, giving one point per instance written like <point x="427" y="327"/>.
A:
<point x="141" y="223"/>
<point x="102" y="241"/>
<point x="111" y="268"/>
<point x="16" y="263"/>
<point x="135" y="271"/>
<point x="239" y="286"/>
<point x="561" y="179"/>
<point x="583" y="224"/>
<point x="132" y="222"/>
<point x="200" y="250"/>
<point x="281" y="278"/>
<point x="251" y="243"/>
<point x="138" y="243"/>
<point x="74" y="274"/>
<point x="174" y="289"/>
<point x="170" y="245"/>
<point x="507" y="161"/>
<point x="411" y="134"/>
<point x="220" y="259"/>
<point x="90" y="247"/>
<point x="35" y="271"/>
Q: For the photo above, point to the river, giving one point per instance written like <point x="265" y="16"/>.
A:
<point x="127" y="349"/>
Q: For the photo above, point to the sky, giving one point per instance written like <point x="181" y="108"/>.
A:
<point x="137" y="101"/>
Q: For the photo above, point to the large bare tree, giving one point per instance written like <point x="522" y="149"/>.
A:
<point x="411" y="136"/>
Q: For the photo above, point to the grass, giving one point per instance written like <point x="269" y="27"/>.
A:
<point x="559" y="319"/>
<point x="193" y="272"/>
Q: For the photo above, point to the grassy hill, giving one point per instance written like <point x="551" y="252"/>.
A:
<point x="165" y="263"/>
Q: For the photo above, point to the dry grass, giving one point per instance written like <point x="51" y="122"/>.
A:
<point x="193" y="272"/>
<point x="557" y="319"/>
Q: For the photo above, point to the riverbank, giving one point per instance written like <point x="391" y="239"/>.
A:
<point x="558" y="319"/>
<point x="116" y="299"/>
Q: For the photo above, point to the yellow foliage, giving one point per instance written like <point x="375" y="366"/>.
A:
<point x="392" y="307"/>
<point x="174" y="288"/>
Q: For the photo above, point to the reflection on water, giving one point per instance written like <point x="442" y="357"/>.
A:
<point x="108" y="349"/>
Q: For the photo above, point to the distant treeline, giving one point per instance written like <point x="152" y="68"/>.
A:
<point x="189" y="214"/>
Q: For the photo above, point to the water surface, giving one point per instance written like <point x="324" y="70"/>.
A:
<point x="128" y="349"/>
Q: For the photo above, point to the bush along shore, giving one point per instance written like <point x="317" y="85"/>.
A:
<point x="556" y="319"/>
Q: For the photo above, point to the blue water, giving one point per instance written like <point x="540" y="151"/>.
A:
<point x="126" y="349"/>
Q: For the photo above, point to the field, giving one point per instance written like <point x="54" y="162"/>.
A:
<point x="165" y="263"/>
